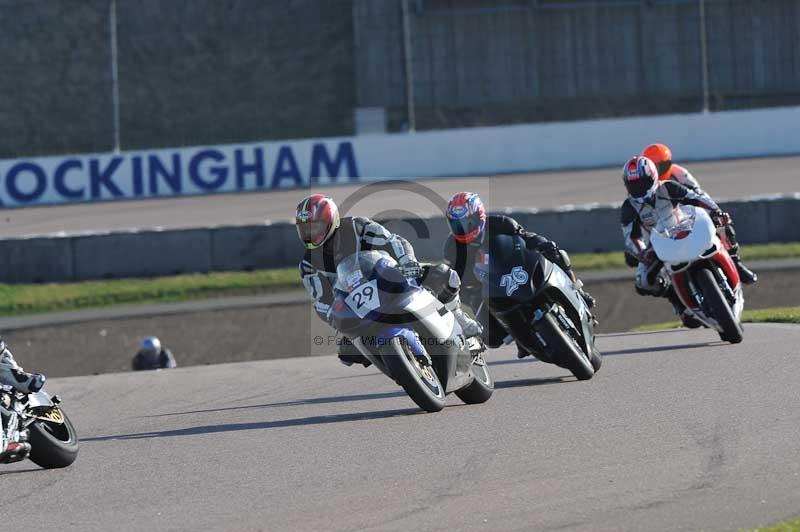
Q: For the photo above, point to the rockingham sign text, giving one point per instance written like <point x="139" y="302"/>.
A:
<point x="456" y="152"/>
<point x="176" y="172"/>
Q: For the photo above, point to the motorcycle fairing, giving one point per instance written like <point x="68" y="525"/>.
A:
<point x="547" y="284"/>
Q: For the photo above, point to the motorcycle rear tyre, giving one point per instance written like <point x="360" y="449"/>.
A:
<point x="53" y="445"/>
<point x="481" y="388"/>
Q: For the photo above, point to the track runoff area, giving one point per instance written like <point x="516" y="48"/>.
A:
<point x="678" y="431"/>
<point x="722" y="179"/>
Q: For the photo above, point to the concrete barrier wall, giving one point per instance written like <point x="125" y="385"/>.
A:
<point x="376" y="158"/>
<point x="154" y="253"/>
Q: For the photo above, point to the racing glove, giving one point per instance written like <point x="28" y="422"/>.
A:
<point x="720" y="218"/>
<point x="411" y="268"/>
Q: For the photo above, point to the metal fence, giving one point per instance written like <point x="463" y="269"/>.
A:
<point x="176" y="73"/>
<point x="461" y="63"/>
<point x="98" y="75"/>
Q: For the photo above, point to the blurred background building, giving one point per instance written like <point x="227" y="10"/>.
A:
<point x="99" y="75"/>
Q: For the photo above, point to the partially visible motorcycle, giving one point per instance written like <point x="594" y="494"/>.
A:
<point x="407" y="333"/>
<point x="34" y="426"/>
<point x="702" y="272"/>
<point x="538" y="304"/>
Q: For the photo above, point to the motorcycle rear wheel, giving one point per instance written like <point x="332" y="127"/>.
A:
<point x="718" y="305"/>
<point x="480" y="389"/>
<point x="420" y="382"/>
<point x="53" y="445"/>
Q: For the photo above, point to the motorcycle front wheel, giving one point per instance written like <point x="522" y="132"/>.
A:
<point x="565" y="350"/>
<point x="418" y="380"/>
<point x="718" y="305"/>
<point x="53" y="445"/>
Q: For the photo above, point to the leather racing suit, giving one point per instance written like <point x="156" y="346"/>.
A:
<point x="639" y="218"/>
<point x="681" y="175"/>
<point x="462" y="257"/>
<point x="318" y="271"/>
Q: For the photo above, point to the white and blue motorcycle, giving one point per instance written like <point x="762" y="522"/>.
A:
<point x="407" y="333"/>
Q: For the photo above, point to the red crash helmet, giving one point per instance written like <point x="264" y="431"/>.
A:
<point x="466" y="216"/>
<point x="640" y="177"/>
<point x="316" y="219"/>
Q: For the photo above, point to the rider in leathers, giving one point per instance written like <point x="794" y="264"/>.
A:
<point x="661" y="156"/>
<point x="13" y="375"/>
<point x="469" y="227"/>
<point x="329" y="240"/>
<point x="650" y="200"/>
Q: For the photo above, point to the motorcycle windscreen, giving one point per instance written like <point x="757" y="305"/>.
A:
<point x="685" y="243"/>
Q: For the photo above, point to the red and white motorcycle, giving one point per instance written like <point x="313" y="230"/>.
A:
<point x="703" y="275"/>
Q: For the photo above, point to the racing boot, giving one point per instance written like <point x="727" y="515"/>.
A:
<point x="469" y="326"/>
<point x="349" y="354"/>
<point x="521" y="352"/>
<point x="746" y="275"/>
<point x="13" y="375"/>
<point x="688" y="319"/>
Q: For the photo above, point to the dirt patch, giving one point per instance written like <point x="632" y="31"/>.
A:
<point x="289" y="330"/>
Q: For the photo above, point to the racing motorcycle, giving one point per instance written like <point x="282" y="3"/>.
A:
<point x="701" y="270"/>
<point x="538" y="304"/>
<point x="407" y="333"/>
<point x="34" y="426"/>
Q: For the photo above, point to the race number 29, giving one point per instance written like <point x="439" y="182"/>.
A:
<point x="364" y="299"/>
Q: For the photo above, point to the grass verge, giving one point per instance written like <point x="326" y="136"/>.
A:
<point x="767" y="315"/>
<point x="786" y="526"/>
<point x="37" y="298"/>
<point x="615" y="259"/>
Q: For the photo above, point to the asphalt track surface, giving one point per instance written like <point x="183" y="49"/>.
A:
<point x="722" y="179"/>
<point x="677" y="432"/>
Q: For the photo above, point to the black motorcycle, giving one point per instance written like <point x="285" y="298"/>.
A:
<point x="34" y="426"/>
<point x="538" y="305"/>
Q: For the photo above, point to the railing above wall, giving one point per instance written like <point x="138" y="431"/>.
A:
<point x="109" y="255"/>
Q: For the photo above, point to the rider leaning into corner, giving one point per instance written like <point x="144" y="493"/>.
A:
<point x="469" y="227"/>
<point x="13" y="375"/>
<point x="661" y="155"/>
<point x="329" y="239"/>
<point x="649" y="200"/>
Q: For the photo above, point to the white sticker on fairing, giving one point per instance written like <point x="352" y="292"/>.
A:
<point x="364" y="299"/>
<point x="512" y="281"/>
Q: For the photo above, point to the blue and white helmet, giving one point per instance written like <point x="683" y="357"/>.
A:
<point x="640" y="176"/>
<point x="151" y="345"/>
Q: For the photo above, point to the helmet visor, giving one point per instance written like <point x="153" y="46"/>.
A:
<point x="638" y="188"/>
<point x="466" y="225"/>
<point x="313" y="233"/>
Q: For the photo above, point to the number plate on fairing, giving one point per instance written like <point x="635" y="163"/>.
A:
<point x="364" y="298"/>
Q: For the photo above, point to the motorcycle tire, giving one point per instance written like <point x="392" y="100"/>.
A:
<point x="718" y="305"/>
<point x="481" y="387"/>
<point x="567" y="351"/>
<point x="53" y="445"/>
<point x="420" y="382"/>
<point x="596" y="359"/>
